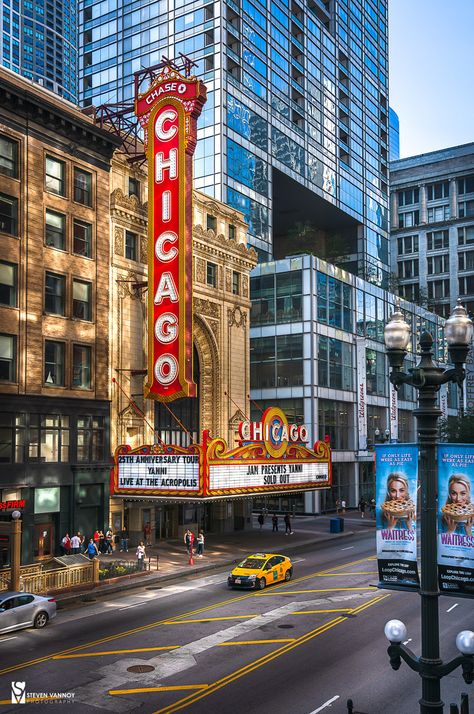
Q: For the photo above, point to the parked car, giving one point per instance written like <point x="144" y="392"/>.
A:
<point x="259" y="570"/>
<point x="18" y="610"/>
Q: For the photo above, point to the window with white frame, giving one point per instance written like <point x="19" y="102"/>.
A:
<point x="407" y="244"/>
<point x="438" y="264"/>
<point x="437" y="240"/>
<point x="466" y="260"/>
<point x="7" y="357"/>
<point x="435" y="191"/>
<point x="437" y="214"/>
<point x="465" y="235"/>
<point x="466" y="285"/>
<point x="466" y="209"/>
<point x="409" y="219"/>
<point x="438" y="289"/>
<point x="408" y="196"/>
<point x="408" y="268"/>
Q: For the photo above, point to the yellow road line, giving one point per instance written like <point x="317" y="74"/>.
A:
<point x="314" y="612"/>
<point x="143" y="628"/>
<point x="191" y="699"/>
<point x="255" y="642"/>
<point x="336" y="575"/>
<point x="158" y="689"/>
<point x="114" y="652"/>
<point x="321" y="590"/>
<point x="209" y="619"/>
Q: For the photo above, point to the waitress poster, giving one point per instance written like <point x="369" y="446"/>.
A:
<point x="456" y="519"/>
<point x="396" y="490"/>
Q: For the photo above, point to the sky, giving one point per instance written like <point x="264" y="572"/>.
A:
<point x="432" y="73"/>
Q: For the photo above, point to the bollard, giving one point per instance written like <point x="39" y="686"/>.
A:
<point x="453" y="709"/>
<point x="95" y="570"/>
<point x="157" y="562"/>
<point x="464" y="703"/>
<point x="149" y="564"/>
<point x="350" y="707"/>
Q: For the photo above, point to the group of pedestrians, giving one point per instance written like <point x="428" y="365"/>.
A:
<point x="194" y="545"/>
<point x="99" y="542"/>
<point x="286" y="520"/>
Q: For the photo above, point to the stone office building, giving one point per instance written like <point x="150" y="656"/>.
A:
<point x="54" y="308"/>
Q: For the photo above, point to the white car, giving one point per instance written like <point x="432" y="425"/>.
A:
<point x="18" y="610"/>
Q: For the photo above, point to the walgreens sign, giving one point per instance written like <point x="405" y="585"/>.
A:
<point x="168" y="112"/>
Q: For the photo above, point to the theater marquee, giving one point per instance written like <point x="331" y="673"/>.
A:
<point x="275" y="460"/>
<point x="168" y="112"/>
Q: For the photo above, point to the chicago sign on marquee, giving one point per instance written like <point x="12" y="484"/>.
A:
<point x="272" y="458"/>
<point x="168" y="112"/>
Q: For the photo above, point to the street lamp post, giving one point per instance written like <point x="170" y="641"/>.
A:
<point x="426" y="378"/>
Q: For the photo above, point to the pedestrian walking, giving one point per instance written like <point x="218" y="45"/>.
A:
<point x="92" y="550"/>
<point x="187" y="539"/>
<point x="101" y="545"/>
<point x="124" y="540"/>
<point x="343" y="506"/>
<point x="200" y="544"/>
<point x="75" y="544"/>
<point x="362" y="505"/>
<point x="261" y="519"/>
<point x="287" y="524"/>
<point x="274" y="523"/>
<point x="191" y="543"/>
<point x="96" y="538"/>
<point x="66" y="545"/>
<point x="140" y="555"/>
<point x="372" y="507"/>
<point x="338" y="505"/>
<point x="109" y="537"/>
<point x="147" y="534"/>
<point x="82" y="544"/>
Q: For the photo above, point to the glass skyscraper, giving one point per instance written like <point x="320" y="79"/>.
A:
<point x="295" y="130"/>
<point x="38" y="39"/>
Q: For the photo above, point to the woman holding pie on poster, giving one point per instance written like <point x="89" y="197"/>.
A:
<point x="458" y="511"/>
<point x="398" y="510"/>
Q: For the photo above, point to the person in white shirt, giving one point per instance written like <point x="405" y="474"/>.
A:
<point x="75" y="544"/>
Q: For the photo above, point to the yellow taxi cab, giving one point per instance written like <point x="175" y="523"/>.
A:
<point x="259" y="570"/>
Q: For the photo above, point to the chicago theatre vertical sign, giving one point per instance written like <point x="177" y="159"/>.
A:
<point x="168" y="112"/>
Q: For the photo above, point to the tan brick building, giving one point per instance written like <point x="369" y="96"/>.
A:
<point x="54" y="308"/>
<point x="222" y="263"/>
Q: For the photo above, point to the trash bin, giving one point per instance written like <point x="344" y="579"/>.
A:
<point x="335" y="525"/>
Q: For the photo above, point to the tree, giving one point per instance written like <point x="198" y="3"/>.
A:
<point x="306" y="238"/>
<point x="457" y="430"/>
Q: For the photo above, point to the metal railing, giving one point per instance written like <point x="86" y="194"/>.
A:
<point x="34" y="579"/>
<point x="5" y="574"/>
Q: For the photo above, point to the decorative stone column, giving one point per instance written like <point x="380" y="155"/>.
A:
<point x="394" y="210"/>
<point x="423" y="206"/>
<point x="453" y="198"/>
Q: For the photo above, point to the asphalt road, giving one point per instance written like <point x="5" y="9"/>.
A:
<point x="302" y="647"/>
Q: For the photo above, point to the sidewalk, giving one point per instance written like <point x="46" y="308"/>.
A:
<point x="169" y="559"/>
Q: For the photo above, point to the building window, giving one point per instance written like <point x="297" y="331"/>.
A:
<point x="410" y="291"/>
<point x="465" y="235"/>
<point x="81" y="367"/>
<point x="466" y="209"/>
<point x="55" y="230"/>
<point x="408" y="268"/>
<point x="376" y="373"/>
<point x="437" y="240"/>
<point x="437" y="214"/>
<point x="438" y="289"/>
<point x="81" y="300"/>
<point x="211" y="222"/>
<point x="465" y="260"/>
<point x="334" y="363"/>
<point x="232" y="232"/>
<point x="466" y="185"/>
<point x="289" y="360"/>
<point x="436" y="191"/>
<point x="54" y="363"/>
<point x="55" y="176"/>
<point x="134" y="187"/>
<point x="8" y="284"/>
<point x="12" y="438"/>
<point x="131" y="245"/>
<point x="8" y="358"/>
<point x="90" y="438"/>
<point x="211" y="275"/>
<point x="82" y="187"/>
<point x="407" y="220"/>
<point x="438" y="264"/>
<point x="82" y="238"/>
<point x="466" y="285"/>
<point x="407" y="244"/>
<point x="335" y="421"/>
<point x="8" y="157"/>
<point x="235" y="283"/>
<point x="408" y="197"/>
<point x="48" y="438"/>
<point x="55" y="293"/>
<point x="8" y="214"/>
<point x="334" y="302"/>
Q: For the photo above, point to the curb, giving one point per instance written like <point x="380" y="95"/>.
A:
<point x="104" y="590"/>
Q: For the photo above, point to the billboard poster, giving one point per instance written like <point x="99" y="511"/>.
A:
<point x="396" y="489"/>
<point x="455" y="519"/>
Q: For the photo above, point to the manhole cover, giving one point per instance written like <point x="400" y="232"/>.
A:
<point x="140" y="668"/>
<point x="154" y="587"/>
<point x="286" y="627"/>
